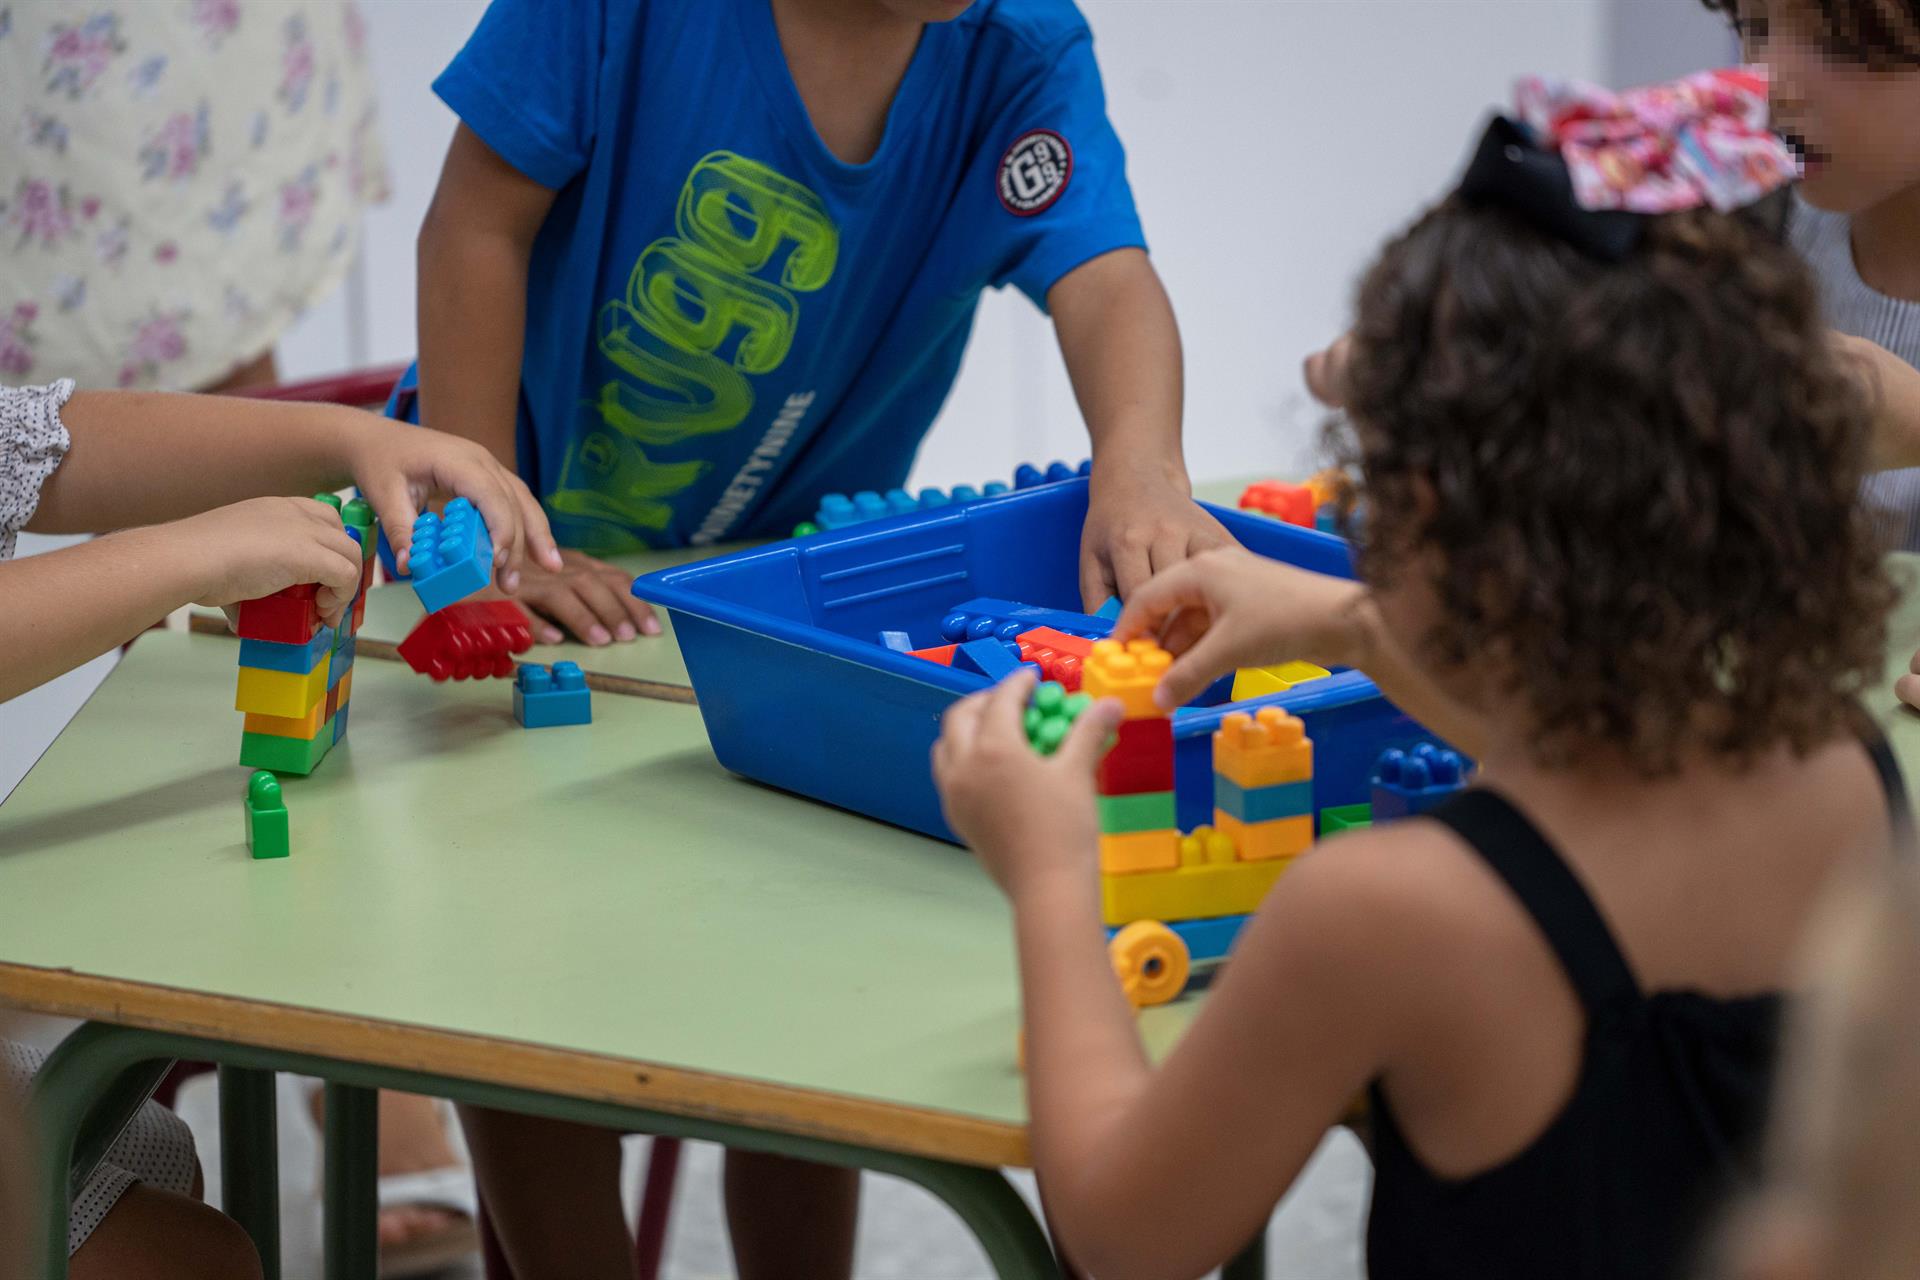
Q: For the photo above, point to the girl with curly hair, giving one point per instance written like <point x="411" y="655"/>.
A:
<point x="1614" y="551"/>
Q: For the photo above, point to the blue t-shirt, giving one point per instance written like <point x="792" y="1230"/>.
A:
<point x="724" y="321"/>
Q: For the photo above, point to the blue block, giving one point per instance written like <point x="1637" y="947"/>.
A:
<point x="1408" y="783"/>
<point x="994" y="659"/>
<point x="1327" y="519"/>
<point x="451" y="556"/>
<point x="342" y="661"/>
<point x="836" y="512"/>
<point x="1110" y="610"/>
<point x="1208" y="941"/>
<point x="986" y="616"/>
<point x="1262" y="804"/>
<point x="339" y="725"/>
<point x="267" y="655"/>
<point x="1026" y="475"/>
<point x="548" y="696"/>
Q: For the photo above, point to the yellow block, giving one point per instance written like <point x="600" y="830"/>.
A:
<point x="1191" y="893"/>
<point x="301" y="727"/>
<point x="280" y="693"/>
<point x="1256" y="682"/>
<point x="1262" y="750"/>
<point x="1128" y="673"/>
<point x="1205" y="845"/>
<point x="1138" y="851"/>
<point x="1263" y="841"/>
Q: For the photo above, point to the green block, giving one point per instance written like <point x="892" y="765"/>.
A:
<point x="331" y="499"/>
<point x="1145" y="811"/>
<point x="1346" y="817"/>
<point x="357" y="515"/>
<point x="267" y="832"/>
<point x="286" y="755"/>
<point x="1051" y="714"/>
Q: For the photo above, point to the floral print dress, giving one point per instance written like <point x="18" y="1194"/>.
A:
<point x="179" y="179"/>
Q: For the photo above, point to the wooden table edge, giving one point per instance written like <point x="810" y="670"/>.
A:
<point x="755" y="1104"/>
<point x="389" y="651"/>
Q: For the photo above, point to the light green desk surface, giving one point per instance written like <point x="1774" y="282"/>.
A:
<point x="599" y="912"/>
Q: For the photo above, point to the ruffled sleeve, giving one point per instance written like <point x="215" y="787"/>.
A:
<point x="33" y="443"/>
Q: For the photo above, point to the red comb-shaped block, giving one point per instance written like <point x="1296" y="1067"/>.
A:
<point x="473" y="640"/>
<point x="291" y="616"/>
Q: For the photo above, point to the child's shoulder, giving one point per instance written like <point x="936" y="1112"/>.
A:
<point x="1041" y="27"/>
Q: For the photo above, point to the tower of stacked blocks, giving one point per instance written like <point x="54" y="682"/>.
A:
<point x="1263" y="791"/>
<point x="296" y="674"/>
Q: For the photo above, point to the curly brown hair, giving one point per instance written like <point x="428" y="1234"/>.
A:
<point x="1882" y="35"/>
<point x="1637" y="482"/>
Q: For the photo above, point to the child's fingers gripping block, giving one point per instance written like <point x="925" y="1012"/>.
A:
<point x="451" y="555"/>
<point x="1129" y="673"/>
<point x="1050" y="716"/>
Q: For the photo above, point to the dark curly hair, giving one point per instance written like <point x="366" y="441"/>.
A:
<point x="1637" y="483"/>
<point x="1882" y="35"/>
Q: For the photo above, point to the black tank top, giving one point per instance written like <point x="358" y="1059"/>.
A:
<point x="1664" y="1122"/>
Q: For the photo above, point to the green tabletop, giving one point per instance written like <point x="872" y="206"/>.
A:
<point x="604" y="890"/>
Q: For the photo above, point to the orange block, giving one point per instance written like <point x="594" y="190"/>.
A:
<point x="1261" y="841"/>
<point x="1128" y="673"/>
<point x="942" y="654"/>
<point x="1263" y="750"/>
<point x="1289" y="502"/>
<point x="302" y="727"/>
<point x="1139" y="851"/>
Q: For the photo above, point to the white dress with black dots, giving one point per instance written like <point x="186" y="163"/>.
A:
<point x="156" y="1148"/>
<point x="33" y="443"/>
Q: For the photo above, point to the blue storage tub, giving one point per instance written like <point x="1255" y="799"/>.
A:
<point x="782" y="643"/>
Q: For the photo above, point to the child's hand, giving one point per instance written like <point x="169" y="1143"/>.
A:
<point x="1908" y="686"/>
<point x="255" y="548"/>
<point x="1327" y="372"/>
<point x="1030" y="818"/>
<point x="401" y="469"/>
<point x="1228" y="609"/>
<point x="590" y="598"/>
<point x="1139" y="523"/>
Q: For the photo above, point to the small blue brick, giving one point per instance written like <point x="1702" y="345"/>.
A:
<point x="1262" y="804"/>
<point x="451" y="555"/>
<point x="836" y="512"/>
<point x="1110" y="610"/>
<point x="931" y="498"/>
<point x="993" y="489"/>
<point x="1327" y="518"/>
<point x="1408" y="783"/>
<point x="342" y="661"/>
<point x="339" y="725"/>
<point x="994" y="659"/>
<point x="868" y="505"/>
<point x="547" y="696"/>
<point x="266" y="655"/>
<point x="965" y="493"/>
<point x="1208" y="941"/>
<point x="901" y="503"/>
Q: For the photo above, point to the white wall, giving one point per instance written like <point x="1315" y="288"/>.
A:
<point x="1272" y="145"/>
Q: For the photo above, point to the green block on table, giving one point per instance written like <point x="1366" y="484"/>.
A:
<point x="286" y="755"/>
<point x="267" y="832"/>
<point x="1346" y="817"/>
<point x="1143" y="811"/>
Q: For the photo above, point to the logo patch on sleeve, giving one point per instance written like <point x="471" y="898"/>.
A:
<point x="1034" y="172"/>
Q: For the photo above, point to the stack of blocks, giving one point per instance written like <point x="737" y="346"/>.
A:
<point x="296" y="675"/>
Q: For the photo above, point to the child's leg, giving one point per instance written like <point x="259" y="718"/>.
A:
<point x="552" y="1192"/>
<point x="790" y="1219"/>
<point x="151" y="1234"/>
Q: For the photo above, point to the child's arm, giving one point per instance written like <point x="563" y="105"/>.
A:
<point x="1154" y="1173"/>
<point x="144" y="457"/>
<point x="1895" y="387"/>
<point x="65" y="607"/>
<point x="1228" y="609"/>
<point x="1122" y="348"/>
<point x="475" y="245"/>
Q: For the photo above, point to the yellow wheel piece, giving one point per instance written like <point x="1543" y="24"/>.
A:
<point x="1150" y="961"/>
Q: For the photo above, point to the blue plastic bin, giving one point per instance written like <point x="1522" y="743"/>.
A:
<point x="783" y="646"/>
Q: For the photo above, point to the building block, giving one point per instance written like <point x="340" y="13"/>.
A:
<point x="1050" y="716"/>
<point x="1054" y="638"/>
<point x="547" y="696"/>
<point x="342" y="661"/>
<point x="1265" y="841"/>
<point x="1110" y="610"/>
<point x="302" y="727"/>
<point x="1207" y="846"/>
<point x="1026" y="475"/>
<point x="451" y="555"/>
<point x="896" y="641"/>
<point x="286" y="755"/>
<point x="942" y="654"/>
<point x="358" y="517"/>
<point x="474" y="640"/>
<point x="1256" y="682"/>
<point x="1209" y="942"/>
<point x="1136" y="811"/>
<point x="1346" y="817"/>
<point x="838" y="511"/>
<point x="285" y="617"/>
<point x="269" y="655"/>
<point x="1263" y="804"/>
<point x="280" y="693"/>
<point x="1293" y="503"/>
<point x="994" y="659"/>
<point x="1189" y="893"/>
<point x="1008" y="619"/>
<point x="1063" y="669"/>
<point x="340" y="724"/>
<point x="1124" y="853"/>
<point x="267" y="832"/>
<point x="1408" y="783"/>
<point x="1141" y="759"/>
<point x="1262" y="750"/>
<point x="1129" y="673"/>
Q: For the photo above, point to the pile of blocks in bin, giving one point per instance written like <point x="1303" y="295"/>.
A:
<point x="1314" y="505"/>
<point x="838" y="511"/>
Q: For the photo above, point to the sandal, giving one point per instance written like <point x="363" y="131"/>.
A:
<point x="449" y="1189"/>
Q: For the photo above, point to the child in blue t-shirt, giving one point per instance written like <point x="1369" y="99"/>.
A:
<point x="693" y="264"/>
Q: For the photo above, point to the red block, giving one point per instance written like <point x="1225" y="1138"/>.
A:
<point x="942" y="654"/>
<point x="472" y="640"/>
<point x="1141" y="759"/>
<point x="1061" y="668"/>
<point x="285" y="617"/>
<point x="1290" y="502"/>
<point x="1059" y="641"/>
